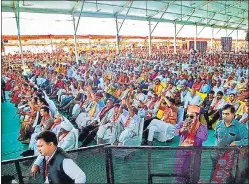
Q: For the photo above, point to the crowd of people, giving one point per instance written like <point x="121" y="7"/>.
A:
<point x="105" y="97"/>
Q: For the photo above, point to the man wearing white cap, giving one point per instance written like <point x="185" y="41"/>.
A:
<point x="68" y="136"/>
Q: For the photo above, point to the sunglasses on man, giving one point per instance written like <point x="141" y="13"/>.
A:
<point x="190" y="116"/>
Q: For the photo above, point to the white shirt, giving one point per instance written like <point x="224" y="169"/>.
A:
<point x="192" y="100"/>
<point x="220" y="104"/>
<point x="133" y="121"/>
<point x="69" y="167"/>
<point x="184" y="94"/>
<point x="216" y="89"/>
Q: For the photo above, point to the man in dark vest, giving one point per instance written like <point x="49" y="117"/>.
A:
<point x="58" y="167"/>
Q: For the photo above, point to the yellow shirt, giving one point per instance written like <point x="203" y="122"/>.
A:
<point x="241" y="110"/>
<point x="157" y="89"/>
<point x="57" y="69"/>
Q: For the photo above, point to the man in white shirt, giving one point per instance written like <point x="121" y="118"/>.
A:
<point x="184" y="93"/>
<point x="129" y="121"/>
<point x="217" y="88"/>
<point x="192" y="99"/>
<point x="53" y="157"/>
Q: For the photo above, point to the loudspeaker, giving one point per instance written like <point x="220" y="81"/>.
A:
<point x="247" y="35"/>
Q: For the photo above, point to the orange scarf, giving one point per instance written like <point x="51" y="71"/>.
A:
<point x="127" y="122"/>
<point x="62" y="136"/>
<point x="192" y="131"/>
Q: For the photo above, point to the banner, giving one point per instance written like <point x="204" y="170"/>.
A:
<point x="226" y="43"/>
<point x="200" y="45"/>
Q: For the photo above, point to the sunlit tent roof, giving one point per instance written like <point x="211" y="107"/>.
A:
<point x="217" y="14"/>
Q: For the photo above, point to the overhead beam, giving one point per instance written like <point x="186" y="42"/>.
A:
<point x="165" y="10"/>
<point x="218" y="31"/>
<point x="135" y="8"/>
<point x="75" y="6"/>
<point x="237" y="27"/>
<point x="219" y="12"/>
<point x="191" y="12"/>
<point x="184" y="24"/>
<point x="229" y="6"/>
<point x="207" y="18"/>
<point x="207" y="23"/>
<point x="109" y="15"/>
<point x="123" y="7"/>
<point x="162" y="10"/>
<point x="125" y="18"/>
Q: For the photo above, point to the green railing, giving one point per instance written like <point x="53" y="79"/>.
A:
<point x="113" y="164"/>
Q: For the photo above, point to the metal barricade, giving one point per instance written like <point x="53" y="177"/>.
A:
<point x="90" y="159"/>
<point x="126" y="164"/>
<point x="177" y="164"/>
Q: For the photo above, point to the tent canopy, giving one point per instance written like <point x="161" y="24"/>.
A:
<point x="217" y="14"/>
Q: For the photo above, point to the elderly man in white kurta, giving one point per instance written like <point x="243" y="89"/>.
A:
<point x="68" y="137"/>
<point x="129" y="120"/>
<point x="56" y="127"/>
<point x="106" y="130"/>
<point x="88" y="133"/>
<point x="77" y="109"/>
<point x="84" y="118"/>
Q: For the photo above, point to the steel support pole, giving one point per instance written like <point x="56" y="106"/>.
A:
<point x="17" y="15"/>
<point x="117" y="36"/>
<point x="212" y="38"/>
<point x="195" y="37"/>
<point x="175" y="38"/>
<point x="149" y="38"/>
<point x="236" y="44"/>
<point x="4" y="54"/>
<point x="75" y="41"/>
<point x="52" y="47"/>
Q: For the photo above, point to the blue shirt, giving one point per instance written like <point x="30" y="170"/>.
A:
<point x="205" y="88"/>
<point x="235" y="132"/>
<point x="70" y="73"/>
<point x="232" y="91"/>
